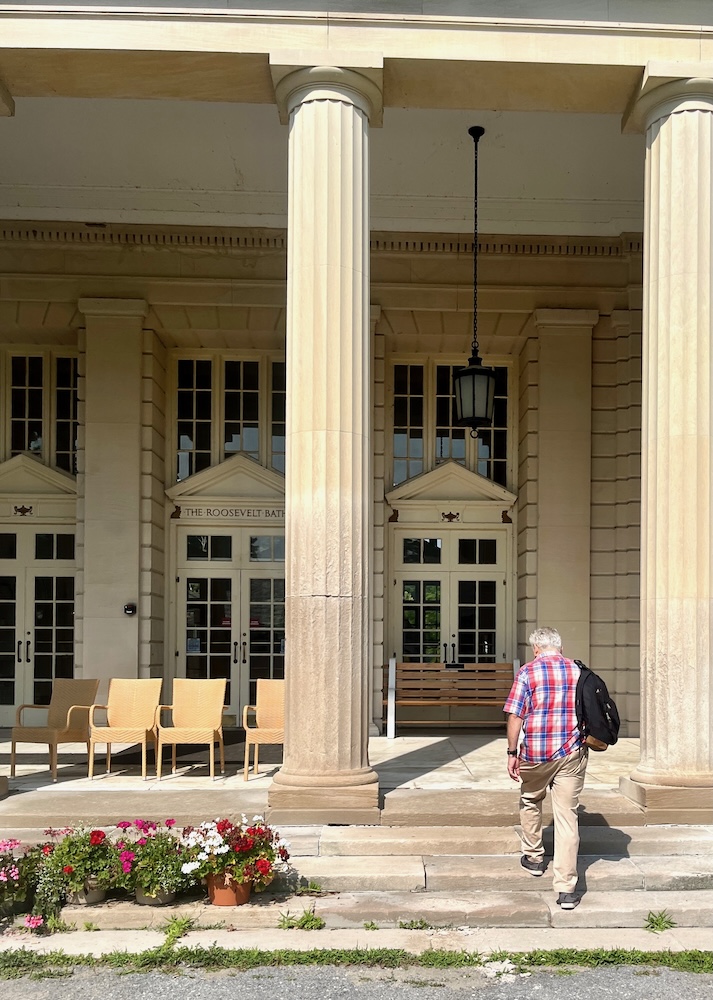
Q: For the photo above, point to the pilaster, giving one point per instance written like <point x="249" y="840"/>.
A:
<point x="111" y="486"/>
<point x="564" y="474"/>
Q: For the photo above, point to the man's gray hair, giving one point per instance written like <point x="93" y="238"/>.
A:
<point x="546" y="638"/>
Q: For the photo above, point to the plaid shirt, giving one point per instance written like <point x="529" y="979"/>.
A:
<point x="543" y="696"/>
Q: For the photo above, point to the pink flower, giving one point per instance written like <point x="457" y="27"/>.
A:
<point x="3" y="876"/>
<point x="33" y="922"/>
<point x="141" y="841"/>
<point x="170" y="822"/>
<point x="124" y="824"/>
<point x="8" y="845"/>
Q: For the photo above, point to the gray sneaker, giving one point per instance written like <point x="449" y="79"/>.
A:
<point x="568" y="900"/>
<point x="535" y="868"/>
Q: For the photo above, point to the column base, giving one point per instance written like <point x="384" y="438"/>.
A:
<point x="674" y="804"/>
<point x="306" y="804"/>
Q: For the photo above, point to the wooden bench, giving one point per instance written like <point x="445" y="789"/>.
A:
<point x="420" y="685"/>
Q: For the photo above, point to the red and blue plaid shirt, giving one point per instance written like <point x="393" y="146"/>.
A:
<point x="543" y="696"/>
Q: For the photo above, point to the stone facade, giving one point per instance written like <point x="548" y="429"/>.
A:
<point x="235" y="273"/>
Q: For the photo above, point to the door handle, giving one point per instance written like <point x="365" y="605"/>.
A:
<point x="235" y="652"/>
<point x="19" y="650"/>
<point x="453" y="647"/>
<point x="245" y="646"/>
<point x="445" y="652"/>
<point x="27" y="651"/>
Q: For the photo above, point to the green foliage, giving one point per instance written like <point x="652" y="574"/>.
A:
<point x="176" y="927"/>
<point x="661" y="921"/>
<point x="308" y="921"/>
<point x="244" y="851"/>
<point x="311" y="889"/>
<point x="369" y="925"/>
<point x="55" y="925"/>
<point x="22" y="962"/>
<point x="148" y="856"/>
<point x="79" y="858"/>
<point x="90" y="926"/>
<point x="415" y="925"/>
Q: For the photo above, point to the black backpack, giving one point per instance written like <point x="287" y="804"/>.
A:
<point x="597" y="715"/>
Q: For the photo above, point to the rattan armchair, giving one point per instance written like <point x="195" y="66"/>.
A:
<point x="197" y="717"/>
<point x="67" y="719"/>
<point x="131" y="717"/>
<point x="269" y="709"/>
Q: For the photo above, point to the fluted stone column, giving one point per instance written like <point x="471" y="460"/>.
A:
<point x="326" y="775"/>
<point x="677" y="472"/>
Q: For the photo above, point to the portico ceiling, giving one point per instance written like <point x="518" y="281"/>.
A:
<point x="451" y="62"/>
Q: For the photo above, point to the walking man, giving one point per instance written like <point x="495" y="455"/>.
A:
<point x="541" y="705"/>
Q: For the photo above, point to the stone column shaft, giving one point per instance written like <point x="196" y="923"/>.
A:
<point x="328" y="471"/>
<point x="677" y="424"/>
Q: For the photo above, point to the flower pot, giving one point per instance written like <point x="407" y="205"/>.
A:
<point x="90" y="895"/>
<point x="162" y="897"/>
<point x="230" y="893"/>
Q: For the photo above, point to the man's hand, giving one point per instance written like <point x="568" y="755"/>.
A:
<point x="514" y="768"/>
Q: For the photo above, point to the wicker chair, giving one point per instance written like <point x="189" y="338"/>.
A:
<point x="131" y="714"/>
<point x="67" y="719"/>
<point x="197" y="717"/>
<point x="269" y="719"/>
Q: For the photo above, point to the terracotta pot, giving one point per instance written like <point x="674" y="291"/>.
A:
<point x="230" y="893"/>
<point x="90" y="895"/>
<point x="162" y="897"/>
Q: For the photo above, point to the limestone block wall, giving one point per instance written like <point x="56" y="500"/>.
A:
<point x="527" y="492"/>
<point x="379" y="652"/>
<point x="152" y="585"/>
<point x="616" y="486"/>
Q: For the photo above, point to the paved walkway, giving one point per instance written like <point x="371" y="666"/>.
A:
<point x="459" y="761"/>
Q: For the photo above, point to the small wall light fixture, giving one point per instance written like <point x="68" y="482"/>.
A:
<point x="474" y="386"/>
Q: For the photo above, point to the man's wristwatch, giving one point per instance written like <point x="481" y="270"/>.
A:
<point x="512" y="753"/>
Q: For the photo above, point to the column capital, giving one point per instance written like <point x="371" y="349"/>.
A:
<point x="565" y="320"/>
<point x="353" y="78"/>
<point x="113" y="307"/>
<point x="667" y="88"/>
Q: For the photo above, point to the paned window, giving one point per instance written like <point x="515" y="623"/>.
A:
<point x="40" y="408"/>
<point x="408" y="422"/>
<point x="425" y="431"/>
<point x="194" y="410"/>
<point x="224" y="407"/>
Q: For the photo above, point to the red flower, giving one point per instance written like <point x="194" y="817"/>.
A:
<point x="97" y="837"/>
<point x="223" y="826"/>
<point x="68" y="869"/>
<point x="263" y="866"/>
<point x="47" y="848"/>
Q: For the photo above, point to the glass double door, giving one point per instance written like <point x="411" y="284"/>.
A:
<point x="449" y="598"/>
<point x="231" y="616"/>
<point x="37" y="587"/>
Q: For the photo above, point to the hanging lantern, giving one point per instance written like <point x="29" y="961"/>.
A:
<point x="474" y="386"/>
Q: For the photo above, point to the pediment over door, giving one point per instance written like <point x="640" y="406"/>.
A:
<point x="451" y="494"/>
<point x="236" y="480"/>
<point x="31" y="491"/>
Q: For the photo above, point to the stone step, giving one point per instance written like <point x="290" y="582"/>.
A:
<point x="414" y="873"/>
<point x="605" y="909"/>
<point x="498" y="807"/>
<point x="449" y="840"/>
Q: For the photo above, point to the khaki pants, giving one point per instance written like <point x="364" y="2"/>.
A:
<point x="565" y="776"/>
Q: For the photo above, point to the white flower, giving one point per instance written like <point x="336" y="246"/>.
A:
<point x="189" y="866"/>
